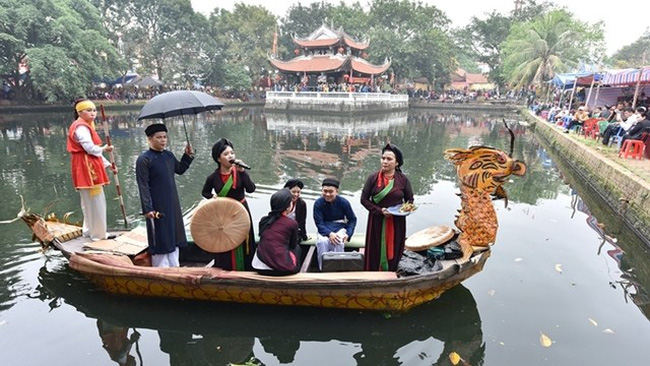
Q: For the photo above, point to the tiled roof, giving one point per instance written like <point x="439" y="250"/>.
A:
<point x="365" y="67"/>
<point x="354" y="44"/>
<point x="316" y="42"/>
<point x="476" y="78"/>
<point x="318" y="63"/>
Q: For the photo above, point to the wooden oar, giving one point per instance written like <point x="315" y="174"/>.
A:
<point x="113" y="166"/>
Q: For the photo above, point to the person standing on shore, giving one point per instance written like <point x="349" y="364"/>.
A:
<point x="89" y="168"/>
<point x="154" y="170"/>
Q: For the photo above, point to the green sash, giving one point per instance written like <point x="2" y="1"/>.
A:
<point x="239" y="251"/>
<point x="383" y="259"/>
<point x="380" y="196"/>
<point x="226" y="187"/>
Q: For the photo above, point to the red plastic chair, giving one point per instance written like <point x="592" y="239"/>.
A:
<point x="632" y="148"/>
<point x="589" y="126"/>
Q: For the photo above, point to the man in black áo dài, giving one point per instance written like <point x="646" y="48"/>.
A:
<point x="231" y="180"/>
<point x="155" y="169"/>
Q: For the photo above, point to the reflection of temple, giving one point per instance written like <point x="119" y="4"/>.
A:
<point x="322" y="145"/>
<point x="329" y="56"/>
<point x="334" y="125"/>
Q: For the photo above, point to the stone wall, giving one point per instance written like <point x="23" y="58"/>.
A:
<point x="624" y="192"/>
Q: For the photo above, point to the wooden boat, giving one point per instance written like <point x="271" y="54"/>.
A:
<point x="124" y="275"/>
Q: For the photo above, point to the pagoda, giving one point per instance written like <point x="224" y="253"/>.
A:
<point x="329" y="56"/>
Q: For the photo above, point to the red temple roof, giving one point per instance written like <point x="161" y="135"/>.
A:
<point x="352" y="43"/>
<point x="316" y="42"/>
<point x="328" y="63"/>
<point x="327" y="37"/>
<point x="365" y="67"/>
<point x="318" y="63"/>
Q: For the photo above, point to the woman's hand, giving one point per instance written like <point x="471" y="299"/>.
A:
<point x="385" y="212"/>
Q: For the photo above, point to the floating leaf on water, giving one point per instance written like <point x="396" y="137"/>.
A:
<point x="501" y="343"/>
<point x="608" y="331"/>
<point x="491" y="292"/>
<point x="593" y="322"/>
<point x="545" y="340"/>
<point x="454" y="358"/>
<point x="558" y="267"/>
<point x="518" y="259"/>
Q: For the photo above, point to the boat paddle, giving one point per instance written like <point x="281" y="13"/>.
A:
<point x="113" y="166"/>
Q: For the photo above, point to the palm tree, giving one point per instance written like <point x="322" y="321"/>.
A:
<point x="534" y="51"/>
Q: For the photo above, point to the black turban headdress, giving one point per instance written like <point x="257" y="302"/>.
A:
<point x="293" y="183"/>
<point x="398" y="154"/>
<point x="280" y="201"/>
<point x="156" y="127"/>
<point x="219" y="147"/>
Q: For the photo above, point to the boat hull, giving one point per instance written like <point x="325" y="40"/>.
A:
<point x="352" y="290"/>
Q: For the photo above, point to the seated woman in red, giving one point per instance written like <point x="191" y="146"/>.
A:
<point x="278" y="252"/>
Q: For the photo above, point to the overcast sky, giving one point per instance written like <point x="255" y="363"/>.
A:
<point x="625" y="20"/>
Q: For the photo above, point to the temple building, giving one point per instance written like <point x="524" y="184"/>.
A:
<point x="328" y="56"/>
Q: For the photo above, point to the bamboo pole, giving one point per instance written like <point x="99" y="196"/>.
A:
<point x="114" y="166"/>
<point x="591" y="87"/>
<point x="638" y="82"/>
<point x="573" y="91"/>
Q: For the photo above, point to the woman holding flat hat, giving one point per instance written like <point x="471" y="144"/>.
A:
<point x="232" y="181"/>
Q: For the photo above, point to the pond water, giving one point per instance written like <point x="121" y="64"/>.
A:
<point x="562" y="267"/>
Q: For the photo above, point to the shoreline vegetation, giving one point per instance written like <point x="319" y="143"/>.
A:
<point x="9" y="109"/>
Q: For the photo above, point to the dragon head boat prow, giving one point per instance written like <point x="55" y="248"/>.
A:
<point x="481" y="171"/>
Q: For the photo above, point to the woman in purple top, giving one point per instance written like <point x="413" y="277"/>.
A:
<point x="278" y="252"/>
<point x="385" y="233"/>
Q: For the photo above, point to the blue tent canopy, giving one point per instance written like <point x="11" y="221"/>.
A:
<point x="567" y="80"/>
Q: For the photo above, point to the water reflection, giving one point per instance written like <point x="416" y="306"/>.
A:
<point x="537" y="227"/>
<point x="629" y="282"/>
<point x="215" y="334"/>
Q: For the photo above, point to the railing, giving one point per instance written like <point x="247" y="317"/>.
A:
<point x="337" y="96"/>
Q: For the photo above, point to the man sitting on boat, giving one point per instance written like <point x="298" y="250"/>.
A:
<point x="154" y="171"/>
<point x="278" y="252"/>
<point x="334" y="220"/>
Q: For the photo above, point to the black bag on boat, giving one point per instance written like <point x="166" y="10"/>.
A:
<point x="342" y="261"/>
<point x="452" y="250"/>
<point x="413" y="263"/>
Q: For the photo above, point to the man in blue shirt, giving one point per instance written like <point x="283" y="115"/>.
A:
<point x="334" y="220"/>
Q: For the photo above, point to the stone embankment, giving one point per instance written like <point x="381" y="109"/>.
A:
<point x="624" y="191"/>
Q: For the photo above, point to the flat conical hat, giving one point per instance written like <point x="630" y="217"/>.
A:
<point x="429" y="237"/>
<point x="220" y="225"/>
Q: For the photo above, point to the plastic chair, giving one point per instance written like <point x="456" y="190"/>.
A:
<point x="619" y="137"/>
<point x="632" y="148"/>
<point x="589" y="126"/>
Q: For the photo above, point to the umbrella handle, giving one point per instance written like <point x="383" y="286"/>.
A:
<point x="187" y="138"/>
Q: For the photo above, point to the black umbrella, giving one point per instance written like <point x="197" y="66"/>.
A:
<point x="179" y="103"/>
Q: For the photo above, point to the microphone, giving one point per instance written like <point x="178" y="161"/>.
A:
<point x="240" y="164"/>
